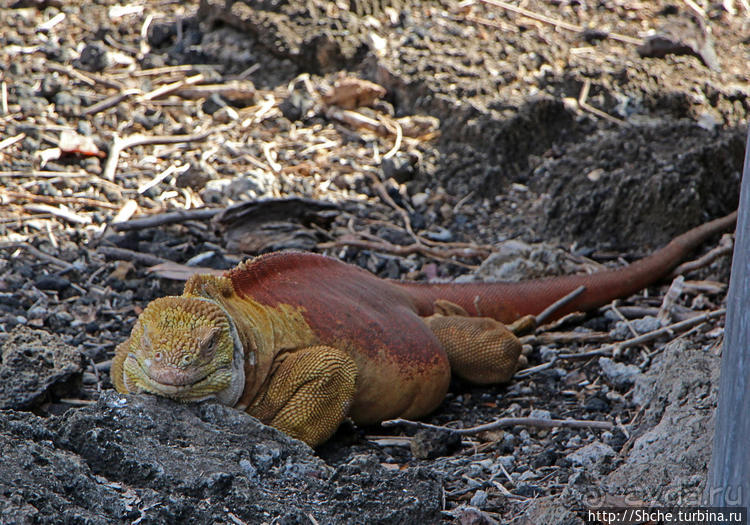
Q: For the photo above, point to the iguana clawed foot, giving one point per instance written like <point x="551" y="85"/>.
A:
<point x="480" y="349"/>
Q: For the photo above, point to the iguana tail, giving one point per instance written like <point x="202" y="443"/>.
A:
<point x="507" y="301"/>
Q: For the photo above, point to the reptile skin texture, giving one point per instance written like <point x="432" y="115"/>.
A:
<point x="302" y="341"/>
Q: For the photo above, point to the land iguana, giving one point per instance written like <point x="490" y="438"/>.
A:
<point x="302" y="341"/>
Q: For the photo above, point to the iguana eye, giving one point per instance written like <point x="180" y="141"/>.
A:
<point x="158" y="356"/>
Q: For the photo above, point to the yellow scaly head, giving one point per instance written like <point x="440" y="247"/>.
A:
<point x="185" y="348"/>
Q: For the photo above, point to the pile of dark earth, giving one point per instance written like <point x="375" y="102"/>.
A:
<point x="604" y="145"/>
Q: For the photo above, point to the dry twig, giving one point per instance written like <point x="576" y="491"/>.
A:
<point x="505" y="422"/>
<point x="675" y="327"/>
<point x="583" y="96"/>
<point x="725" y="248"/>
<point x="120" y="144"/>
<point x="61" y="212"/>
<point x="130" y="255"/>
<point x="565" y="338"/>
<point x="45" y="174"/>
<point x="526" y="372"/>
<point x="81" y="201"/>
<point x="172" y="217"/>
<point x="562" y="24"/>
<point x="170" y="88"/>
<point x="36" y="253"/>
<point x="554" y="307"/>
<point x="109" y="102"/>
<point x="90" y="79"/>
<point x="11" y="140"/>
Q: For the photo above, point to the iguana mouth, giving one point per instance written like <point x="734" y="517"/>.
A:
<point x="171" y="375"/>
<point x="139" y="377"/>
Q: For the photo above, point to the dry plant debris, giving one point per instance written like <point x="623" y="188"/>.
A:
<point x="124" y="169"/>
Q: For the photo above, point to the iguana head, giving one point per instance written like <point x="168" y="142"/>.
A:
<point x="185" y="348"/>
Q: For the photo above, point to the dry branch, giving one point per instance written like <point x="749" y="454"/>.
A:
<point x="81" y="201"/>
<point x="36" y="253"/>
<point x="119" y="145"/>
<point x="63" y="213"/>
<point x="172" y="217"/>
<point x="551" y="309"/>
<point x="505" y="422"/>
<point x="675" y="327"/>
<point x="109" y="102"/>
<point x="562" y="24"/>
<point x="130" y="255"/>
<point x="725" y="248"/>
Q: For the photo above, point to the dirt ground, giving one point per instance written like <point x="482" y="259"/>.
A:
<point x="419" y="140"/>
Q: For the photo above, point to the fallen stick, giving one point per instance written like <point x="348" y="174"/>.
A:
<point x="36" y="253"/>
<point x="505" y="422"/>
<point x="172" y="217"/>
<point x="89" y="78"/>
<point x="397" y="143"/>
<point x="130" y="255"/>
<point x="82" y="201"/>
<point x="551" y="309"/>
<point x="610" y="349"/>
<point x="556" y="22"/>
<point x="725" y="248"/>
<point x="109" y="102"/>
<point x="12" y="140"/>
<point x="584" y="95"/>
<point x="565" y="338"/>
<point x="46" y="174"/>
<point x="118" y="145"/>
<point x="169" y="88"/>
<point x="534" y="369"/>
<point x="63" y="213"/>
<point x="357" y="120"/>
<point x="231" y="90"/>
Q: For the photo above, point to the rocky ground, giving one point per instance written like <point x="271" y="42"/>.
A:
<point x="420" y="140"/>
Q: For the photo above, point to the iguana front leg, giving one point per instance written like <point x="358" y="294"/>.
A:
<point x="308" y="394"/>
<point x="480" y="350"/>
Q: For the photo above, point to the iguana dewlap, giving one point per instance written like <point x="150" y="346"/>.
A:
<point x="302" y="341"/>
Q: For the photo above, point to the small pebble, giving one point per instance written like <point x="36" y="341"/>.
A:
<point x="94" y="57"/>
<point x="479" y="499"/>
<point x="92" y="165"/>
<point x="85" y="128"/>
<point x="213" y="104"/>
<point x="538" y="413"/>
<point x="547" y="353"/>
<point x="591" y="454"/>
<point x="619" y="374"/>
<point x="296" y="105"/>
<point x="596" y="404"/>
<point x="399" y="167"/>
<point x="248" y="468"/>
<point x="507" y="462"/>
<point x="52" y="282"/>
<point x="508" y="443"/>
<point x="67" y="104"/>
